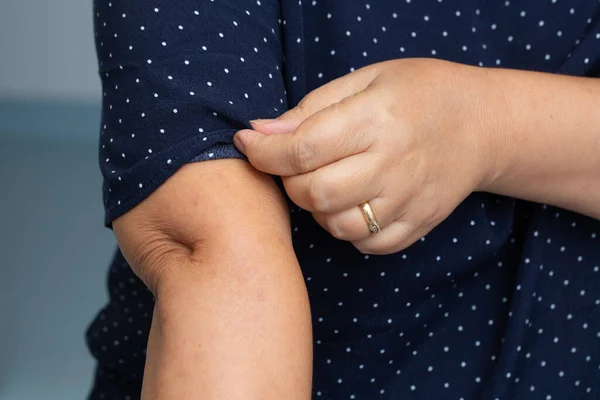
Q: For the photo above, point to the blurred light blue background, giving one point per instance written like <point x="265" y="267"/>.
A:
<point x="54" y="250"/>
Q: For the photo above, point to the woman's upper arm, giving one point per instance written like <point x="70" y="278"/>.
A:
<point x="179" y="78"/>
<point x="205" y="210"/>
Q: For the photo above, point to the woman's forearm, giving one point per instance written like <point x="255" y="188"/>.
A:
<point x="238" y="329"/>
<point x="548" y="135"/>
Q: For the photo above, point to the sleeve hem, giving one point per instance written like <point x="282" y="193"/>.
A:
<point x="136" y="185"/>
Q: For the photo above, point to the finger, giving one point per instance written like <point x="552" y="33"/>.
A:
<point x="351" y="225"/>
<point x="396" y="200"/>
<point x="338" y="186"/>
<point x="327" y="136"/>
<point x="396" y="236"/>
<point x="393" y="238"/>
<point x="318" y="99"/>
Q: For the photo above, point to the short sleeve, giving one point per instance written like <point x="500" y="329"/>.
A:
<point x="179" y="78"/>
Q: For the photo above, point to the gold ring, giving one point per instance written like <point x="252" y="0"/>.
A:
<point x="369" y="215"/>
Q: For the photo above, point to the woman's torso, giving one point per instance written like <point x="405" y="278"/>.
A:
<point x="502" y="300"/>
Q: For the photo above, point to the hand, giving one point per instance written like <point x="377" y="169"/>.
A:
<point x="413" y="137"/>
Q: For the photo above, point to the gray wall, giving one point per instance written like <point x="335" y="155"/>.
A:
<point x="47" y="50"/>
<point x="54" y="250"/>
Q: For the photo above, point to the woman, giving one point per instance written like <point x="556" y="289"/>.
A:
<point x="441" y="219"/>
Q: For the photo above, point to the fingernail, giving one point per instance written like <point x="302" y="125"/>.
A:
<point x="238" y="144"/>
<point x="269" y="126"/>
<point x="261" y="121"/>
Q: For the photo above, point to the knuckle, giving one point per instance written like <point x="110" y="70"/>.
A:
<point x="388" y="110"/>
<point x="363" y="249"/>
<point x="293" y="190"/>
<point x="304" y="106"/>
<point x="303" y="155"/>
<point x="386" y="113"/>
<point x="316" y="198"/>
<point x="336" y="109"/>
<point x="432" y="215"/>
<point x="310" y="103"/>
<point x="336" y="228"/>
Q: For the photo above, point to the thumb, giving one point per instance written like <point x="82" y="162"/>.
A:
<point x="288" y="121"/>
<point x="272" y="154"/>
<point x="285" y="123"/>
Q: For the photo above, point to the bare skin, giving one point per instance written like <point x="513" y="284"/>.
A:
<point x="232" y="319"/>
<point x="415" y="137"/>
<point x="213" y="243"/>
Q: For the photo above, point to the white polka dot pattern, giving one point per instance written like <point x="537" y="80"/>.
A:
<point x="501" y="301"/>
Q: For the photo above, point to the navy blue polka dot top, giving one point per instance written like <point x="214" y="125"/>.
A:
<point x="500" y="301"/>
